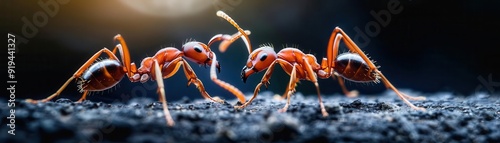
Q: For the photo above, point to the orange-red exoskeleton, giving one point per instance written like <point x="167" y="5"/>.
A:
<point x="165" y="63"/>
<point x="354" y="65"/>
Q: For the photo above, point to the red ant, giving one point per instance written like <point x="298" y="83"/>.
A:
<point x="354" y="66"/>
<point x="165" y="63"/>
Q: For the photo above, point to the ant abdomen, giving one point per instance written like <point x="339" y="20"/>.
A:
<point x="352" y="67"/>
<point x="101" y="75"/>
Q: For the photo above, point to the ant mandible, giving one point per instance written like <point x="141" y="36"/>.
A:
<point x="354" y="66"/>
<point x="106" y="73"/>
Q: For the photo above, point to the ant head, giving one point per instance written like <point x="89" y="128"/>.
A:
<point x="199" y="53"/>
<point x="259" y="60"/>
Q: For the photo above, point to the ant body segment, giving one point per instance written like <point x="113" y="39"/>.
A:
<point x="354" y="66"/>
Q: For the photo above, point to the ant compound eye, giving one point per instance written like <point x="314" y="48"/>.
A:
<point x="197" y="49"/>
<point x="263" y="57"/>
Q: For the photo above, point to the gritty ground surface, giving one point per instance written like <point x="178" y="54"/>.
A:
<point x="382" y="118"/>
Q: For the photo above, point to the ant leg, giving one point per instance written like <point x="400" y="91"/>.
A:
<point x="282" y="97"/>
<point x="264" y="81"/>
<point x="314" y="79"/>
<point x="89" y="62"/>
<point x="173" y="66"/>
<point x="332" y="52"/>
<point x="84" y="96"/>
<point x="340" y="34"/>
<point x="412" y="97"/>
<point x="161" y="94"/>
<point x="350" y="94"/>
<point x="53" y="95"/>
<point x="337" y="35"/>
<point x="402" y="96"/>
<point x="290" y="89"/>
<point x="192" y="78"/>
<point x="77" y="74"/>
<point x="241" y="31"/>
<point x="226" y="40"/>
<point x="130" y="68"/>
<point x="213" y="75"/>
<point x="388" y="85"/>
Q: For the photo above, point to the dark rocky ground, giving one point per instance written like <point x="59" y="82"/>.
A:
<point x="383" y="118"/>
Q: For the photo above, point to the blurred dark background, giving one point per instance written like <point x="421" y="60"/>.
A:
<point x="426" y="46"/>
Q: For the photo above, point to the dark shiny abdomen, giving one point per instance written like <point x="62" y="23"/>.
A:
<point x="102" y="75"/>
<point x="352" y="67"/>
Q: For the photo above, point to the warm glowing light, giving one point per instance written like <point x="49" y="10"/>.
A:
<point x="169" y="8"/>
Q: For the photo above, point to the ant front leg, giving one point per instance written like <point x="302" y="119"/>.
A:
<point x="227" y="40"/>
<point x="170" y="68"/>
<point x="77" y="74"/>
<point x="337" y="35"/>
<point x="192" y="78"/>
<point x="241" y="33"/>
<point x="264" y="81"/>
<point x="213" y="75"/>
